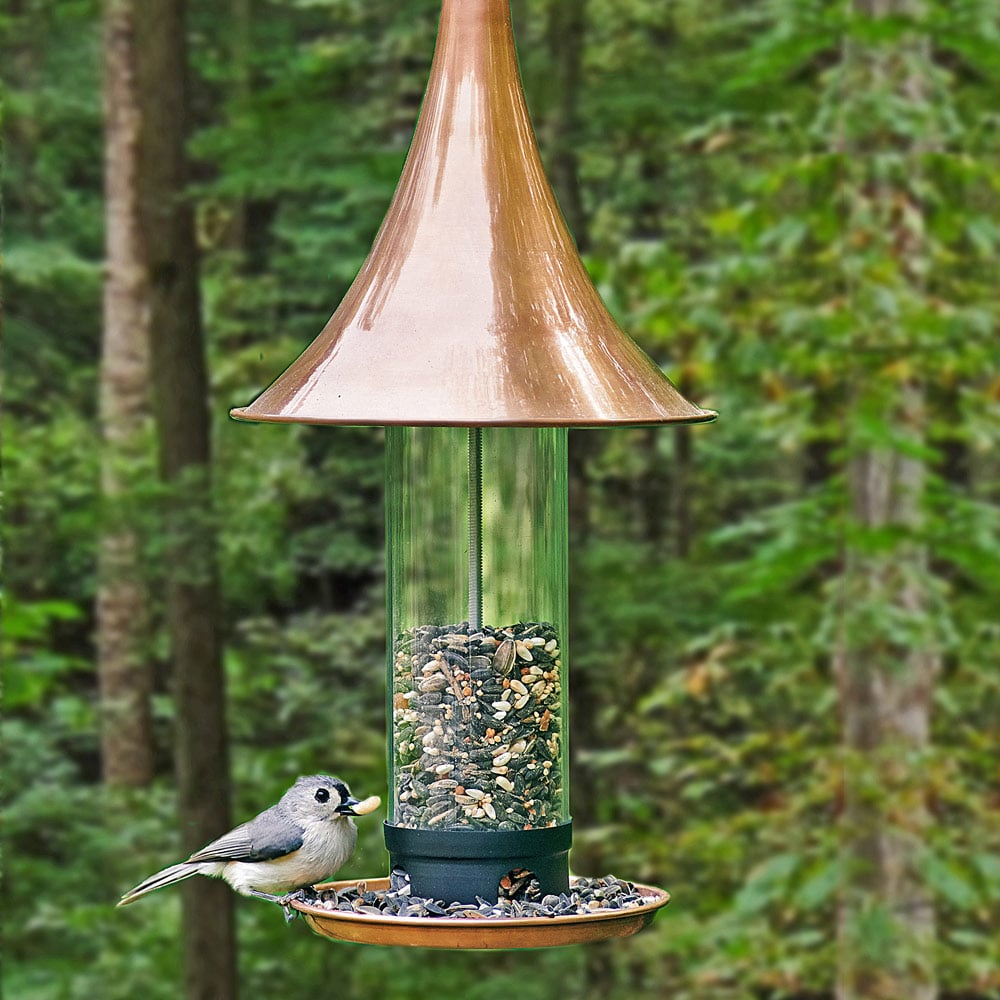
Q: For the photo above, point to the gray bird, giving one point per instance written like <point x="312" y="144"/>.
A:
<point x="301" y="840"/>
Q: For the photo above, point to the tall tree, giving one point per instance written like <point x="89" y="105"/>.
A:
<point x="889" y="657"/>
<point x="123" y="618"/>
<point x="566" y="37"/>
<point x="181" y="406"/>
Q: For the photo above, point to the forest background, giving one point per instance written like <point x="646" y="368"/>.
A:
<point x="785" y="696"/>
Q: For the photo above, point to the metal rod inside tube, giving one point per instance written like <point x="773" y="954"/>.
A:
<point x="475" y="528"/>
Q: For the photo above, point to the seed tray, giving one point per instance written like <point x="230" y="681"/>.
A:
<point x="485" y="933"/>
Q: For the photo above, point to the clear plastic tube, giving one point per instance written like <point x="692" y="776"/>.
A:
<point x="477" y="561"/>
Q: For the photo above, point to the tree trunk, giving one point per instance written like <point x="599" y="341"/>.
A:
<point x="679" y="482"/>
<point x="653" y="493"/>
<point x="567" y="29"/>
<point x="519" y="19"/>
<point x="122" y="610"/>
<point x="887" y="691"/>
<point x="183" y="428"/>
<point x="889" y="658"/>
<point x="238" y="230"/>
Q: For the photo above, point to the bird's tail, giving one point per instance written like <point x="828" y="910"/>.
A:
<point x="168" y="876"/>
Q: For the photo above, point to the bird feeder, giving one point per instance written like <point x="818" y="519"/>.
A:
<point x="475" y="336"/>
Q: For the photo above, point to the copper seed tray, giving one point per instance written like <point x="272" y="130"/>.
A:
<point x="493" y="933"/>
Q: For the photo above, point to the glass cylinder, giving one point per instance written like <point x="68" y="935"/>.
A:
<point x="476" y="545"/>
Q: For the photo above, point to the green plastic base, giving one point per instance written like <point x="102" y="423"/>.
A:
<point x="459" y="865"/>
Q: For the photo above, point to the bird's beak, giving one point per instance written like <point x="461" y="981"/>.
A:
<point x="347" y="808"/>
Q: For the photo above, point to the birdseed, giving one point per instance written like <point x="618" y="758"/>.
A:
<point x="586" y="896"/>
<point x="472" y="707"/>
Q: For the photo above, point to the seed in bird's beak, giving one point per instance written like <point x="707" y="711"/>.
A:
<point x="367" y="805"/>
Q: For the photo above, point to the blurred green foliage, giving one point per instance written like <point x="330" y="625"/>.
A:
<point x="727" y="161"/>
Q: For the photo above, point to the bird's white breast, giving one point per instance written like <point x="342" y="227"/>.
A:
<point x="325" y="847"/>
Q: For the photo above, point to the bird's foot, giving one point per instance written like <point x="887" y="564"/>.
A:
<point x="270" y="897"/>
<point x="285" y="901"/>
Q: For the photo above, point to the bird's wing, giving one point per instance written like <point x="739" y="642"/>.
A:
<point x="270" y="835"/>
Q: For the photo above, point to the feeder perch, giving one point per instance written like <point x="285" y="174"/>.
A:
<point x="475" y="336"/>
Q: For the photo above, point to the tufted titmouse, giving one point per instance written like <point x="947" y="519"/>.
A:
<point x="302" y="840"/>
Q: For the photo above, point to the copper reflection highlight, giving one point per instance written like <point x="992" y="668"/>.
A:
<point x="473" y="307"/>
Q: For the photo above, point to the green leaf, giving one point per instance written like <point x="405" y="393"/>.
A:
<point x="949" y="881"/>
<point x="769" y="883"/>
<point x="820" y="885"/>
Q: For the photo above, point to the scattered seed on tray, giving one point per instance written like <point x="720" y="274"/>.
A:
<point x="586" y="896"/>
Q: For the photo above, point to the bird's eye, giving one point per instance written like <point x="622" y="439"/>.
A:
<point x="322" y="795"/>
